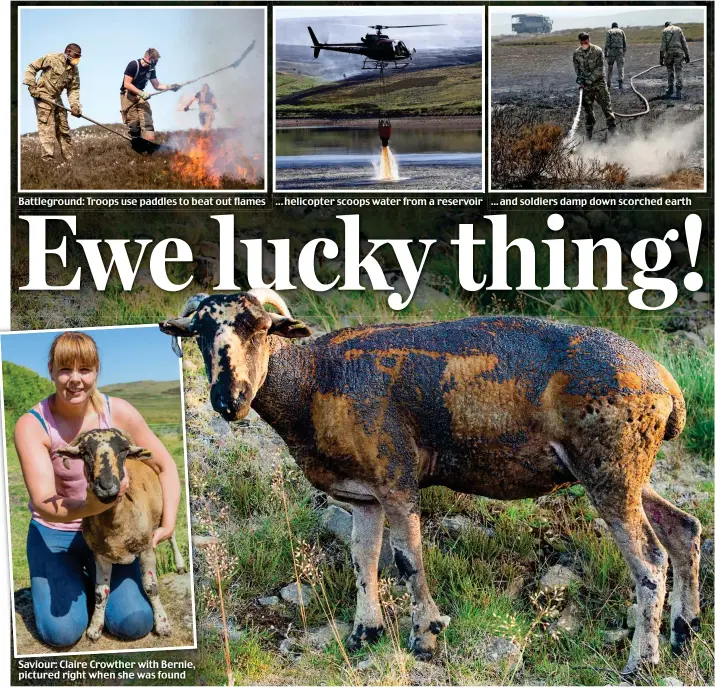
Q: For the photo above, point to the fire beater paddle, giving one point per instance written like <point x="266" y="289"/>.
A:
<point x="148" y="145"/>
<point x="233" y="65"/>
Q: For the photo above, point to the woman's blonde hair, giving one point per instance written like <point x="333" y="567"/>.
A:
<point x="69" y="348"/>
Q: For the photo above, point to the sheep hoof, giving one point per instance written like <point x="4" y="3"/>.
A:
<point x="93" y="634"/>
<point x="422" y="648"/>
<point x="162" y="627"/>
<point x="362" y="636"/>
<point x="423" y="655"/>
<point x="637" y="672"/>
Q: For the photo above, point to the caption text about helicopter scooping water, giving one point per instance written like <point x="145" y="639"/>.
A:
<point x="320" y="264"/>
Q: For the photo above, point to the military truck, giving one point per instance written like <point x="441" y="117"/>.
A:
<point x="531" y="23"/>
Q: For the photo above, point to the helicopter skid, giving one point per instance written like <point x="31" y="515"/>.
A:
<point x="374" y="64"/>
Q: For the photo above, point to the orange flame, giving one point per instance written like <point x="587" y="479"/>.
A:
<point x="209" y="160"/>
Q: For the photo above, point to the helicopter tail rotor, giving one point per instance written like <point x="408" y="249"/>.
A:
<point x="316" y="43"/>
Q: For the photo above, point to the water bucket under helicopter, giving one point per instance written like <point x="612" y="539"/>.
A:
<point x="384" y="131"/>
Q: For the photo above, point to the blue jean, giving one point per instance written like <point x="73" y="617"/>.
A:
<point x="61" y="568"/>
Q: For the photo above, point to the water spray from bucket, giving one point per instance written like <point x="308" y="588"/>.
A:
<point x="387" y="171"/>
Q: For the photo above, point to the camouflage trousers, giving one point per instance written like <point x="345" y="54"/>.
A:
<point x="674" y="65"/>
<point x="136" y="114"/>
<point x="52" y="126"/>
<point x="619" y="59"/>
<point x="597" y="91"/>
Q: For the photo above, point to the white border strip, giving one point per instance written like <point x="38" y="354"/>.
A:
<point x="21" y="73"/>
<point x="6" y="497"/>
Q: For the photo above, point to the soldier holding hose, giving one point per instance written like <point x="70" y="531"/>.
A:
<point x="588" y="63"/>
<point x="673" y="52"/>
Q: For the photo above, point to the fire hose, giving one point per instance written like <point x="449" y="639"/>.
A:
<point x="233" y="65"/>
<point x="640" y="95"/>
<point x="619" y="114"/>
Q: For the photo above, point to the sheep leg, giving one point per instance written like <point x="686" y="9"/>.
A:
<point x="368" y="523"/>
<point x="648" y="562"/>
<point x="102" y="579"/>
<point x="680" y="535"/>
<point x="406" y="541"/>
<point x="147" y="561"/>
<point x="178" y="557"/>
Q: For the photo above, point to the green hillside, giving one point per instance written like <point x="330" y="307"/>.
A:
<point x="22" y="389"/>
<point x="158" y="402"/>
<point x="446" y="91"/>
<point x="634" y="34"/>
<point x="286" y="84"/>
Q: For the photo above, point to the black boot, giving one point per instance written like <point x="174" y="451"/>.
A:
<point x="678" y="94"/>
<point x="589" y="134"/>
<point x="669" y="92"/>
<point x="620" y="84"/>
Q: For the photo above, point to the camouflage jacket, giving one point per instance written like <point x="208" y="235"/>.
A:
<point x="615" y="42"/>
<point x="672" y="41"/>
<point x="588" y="65"/>
<point x="56" y="75"/>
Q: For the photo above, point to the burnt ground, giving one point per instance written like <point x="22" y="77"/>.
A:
<point x="542" y="77"/>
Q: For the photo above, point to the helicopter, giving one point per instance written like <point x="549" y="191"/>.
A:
<point x="378" y="48"/>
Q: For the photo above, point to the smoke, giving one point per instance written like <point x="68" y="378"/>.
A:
<point x="661" y="150"/>
<point x="215" y="39"/>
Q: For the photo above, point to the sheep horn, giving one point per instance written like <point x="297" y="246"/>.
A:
<point x="193" y="303"/>
<point x="188" y="309"/>
<point x="270" y="297"/>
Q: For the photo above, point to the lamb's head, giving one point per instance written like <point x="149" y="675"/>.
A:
<point x="232" y="333"/>
<point x="104" y="452"/>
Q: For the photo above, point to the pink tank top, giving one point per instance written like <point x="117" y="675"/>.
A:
<point x="70" y="482"/>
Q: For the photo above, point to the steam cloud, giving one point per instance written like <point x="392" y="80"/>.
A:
<point x="216" y="39"/>
<point x="656" y="152"/>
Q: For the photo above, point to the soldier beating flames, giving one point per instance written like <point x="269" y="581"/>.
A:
<point x="58" y="71"/>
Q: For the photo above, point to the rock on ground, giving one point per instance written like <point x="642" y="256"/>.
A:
<point x="291" y="595"/>
<point x="321" y="637"/>
<point x="568" y="623"/>
<point x="612" y="637"/>
<point x="269" y="601"/>
<point x="499" y="653"/>
<point x="558" y="577"/>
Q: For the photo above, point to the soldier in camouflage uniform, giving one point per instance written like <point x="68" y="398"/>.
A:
<point x="615" y="52"/>
<point x="673" y="52"/>
<point x="58" y="72"/>
<point x="588" y="63"/>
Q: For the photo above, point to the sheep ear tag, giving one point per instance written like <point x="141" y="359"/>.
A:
<point x="66" y="462"/>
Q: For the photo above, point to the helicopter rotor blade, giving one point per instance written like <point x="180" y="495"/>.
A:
<point x="402" y="26"/>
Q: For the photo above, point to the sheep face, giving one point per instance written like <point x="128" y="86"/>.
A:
<point x="232" y="333"/>
<point x="104" y="452"/>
